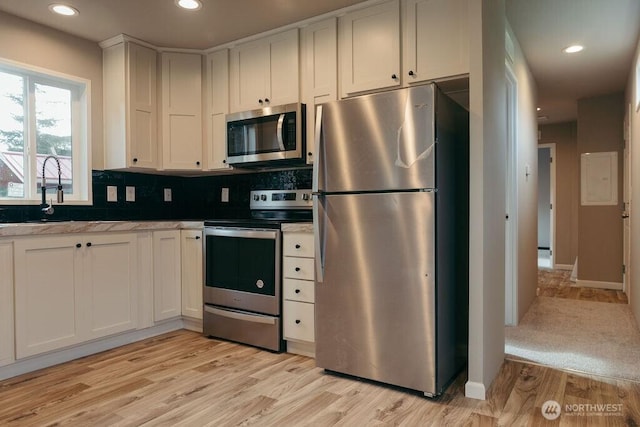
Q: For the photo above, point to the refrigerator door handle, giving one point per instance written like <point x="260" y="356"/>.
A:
<point x="318" y="141"/>
<point x="318" y="232"/>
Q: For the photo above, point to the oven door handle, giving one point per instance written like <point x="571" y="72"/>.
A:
<point x="255" y="318"/>
<point x="249" y="233"/>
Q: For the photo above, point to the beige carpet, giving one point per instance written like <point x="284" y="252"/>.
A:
<point x="592" y="337"/>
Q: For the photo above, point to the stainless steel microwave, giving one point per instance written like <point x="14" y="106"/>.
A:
<point x="267" y="137"/>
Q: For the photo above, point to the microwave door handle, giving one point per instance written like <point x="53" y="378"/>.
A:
<point x="279" y="132"/>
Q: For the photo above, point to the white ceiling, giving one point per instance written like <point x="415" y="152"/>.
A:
<point x="608" y="29"/>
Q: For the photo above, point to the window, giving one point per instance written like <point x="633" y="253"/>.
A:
<point x="43" y="118"/>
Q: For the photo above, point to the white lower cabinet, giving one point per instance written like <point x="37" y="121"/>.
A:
<point x="298" y="291"/>
<point x="192" y="273"/>
<point x="73" y="288"/>
<point x="167" y="288"/>
<point x="7" y="353"/>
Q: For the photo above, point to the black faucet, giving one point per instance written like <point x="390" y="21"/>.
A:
<point x="47" y="209"/>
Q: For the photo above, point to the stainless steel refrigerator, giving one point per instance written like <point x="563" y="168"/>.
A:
<point x="391" y="222"/>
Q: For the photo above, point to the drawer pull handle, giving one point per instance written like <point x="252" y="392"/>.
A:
<point x="297" y="268"/>
<point x="298" y="246"/>
<point x="297" y="321"/>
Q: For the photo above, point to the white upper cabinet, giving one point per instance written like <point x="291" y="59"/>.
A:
<point x="264" y="72"/>
<point x="217" y="99"/>
<point x="436" y="42"/>
<point x="181" y="111"/>
<point x="130" y="106"/>
<point x="369" y="44"/>
<point x="319" y="72"/>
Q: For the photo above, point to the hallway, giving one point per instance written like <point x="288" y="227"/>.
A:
<point x="578" y="329"/>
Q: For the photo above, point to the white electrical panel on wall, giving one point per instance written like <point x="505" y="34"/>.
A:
<point x="599" y="179"/>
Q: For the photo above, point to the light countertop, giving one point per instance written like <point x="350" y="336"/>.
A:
<point x="65" y="227"/>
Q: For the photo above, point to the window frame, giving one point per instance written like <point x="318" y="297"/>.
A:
<point x="80" y="89"/>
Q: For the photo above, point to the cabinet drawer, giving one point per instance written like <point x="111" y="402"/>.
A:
<point x="298" y="268"/>
<point x="298" y="244"/>
<point x="299" y="290"/>
<point x="299" y="321"/>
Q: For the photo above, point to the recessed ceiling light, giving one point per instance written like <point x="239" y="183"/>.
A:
<point x="63" y="9"/>
<point x="189" y="4"/>
<point x="573" y="48"/>
<point x="538" y="108"/>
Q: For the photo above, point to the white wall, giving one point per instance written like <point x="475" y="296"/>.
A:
<point x="487" y="116"/>
<point x="632" y="98"/>
<point x="34" y="44"/>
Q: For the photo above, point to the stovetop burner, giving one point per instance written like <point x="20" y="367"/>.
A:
<point x="270" y="208"/>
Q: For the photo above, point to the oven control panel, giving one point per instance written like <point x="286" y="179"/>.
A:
<point x="281" y="199"/>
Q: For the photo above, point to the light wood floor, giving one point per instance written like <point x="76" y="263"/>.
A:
<point x="557" y="283"/>
<point x="184" y="379"/>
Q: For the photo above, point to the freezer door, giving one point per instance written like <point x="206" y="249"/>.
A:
<point x="375" y="310"/>
<point x="377" y="142"/>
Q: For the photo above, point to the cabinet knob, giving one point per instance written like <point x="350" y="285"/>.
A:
<point x="394" y="77"/>
<point x="224" y="161"/>
<point x="309" y="154"/>
<point x="88" y="244"/>
<point x="197" y="237"/>
<point x="411" y="73"/>
<point x="197" y="163"/>
<point x="297" y="321"/>
<point x="297" y="268"/>
<point x="266" y="100"/>
<point x="298" y="246"/>
<point x="297" y="291"/>
<point x="260" y="101"/>
<point x="78" y="245"/>
<point x="135" y="160"/>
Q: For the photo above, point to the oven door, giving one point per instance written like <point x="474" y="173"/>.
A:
<point x="242" y="269"/>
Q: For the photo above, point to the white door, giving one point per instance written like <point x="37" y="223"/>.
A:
<point x="48" y="276"/>
<point x="110" y="279"/>
<point x="511" y="215"/>
<point x="626" y="222"/>
<point x="167" y="292"/>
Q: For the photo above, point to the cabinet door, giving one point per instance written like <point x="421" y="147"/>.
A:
<point x="192" y="278"/>
<point x="319" y="72"/>
<point x="181" y="111"/>
<point x="166" y="275"/>
<point x="48" y="274"/>
<point x="7" y="354"/>
<point x="370" y="49"/>
<point x="142" y="136"/>
<point x="217" y="107"/>
<point x="248" y="76"/>
<point x="110" y="288"/>
<point x="284" y="87"/>
<point x="437" y="39"/>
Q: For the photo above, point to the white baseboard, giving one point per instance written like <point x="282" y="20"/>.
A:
<point x="303" y="348"/>
<point x="70" y="353"/>
<point x="616" y="286"/>
<point x="474" y="390"/>
<point x="192" y="324"/>
<point x="563" y="266"/>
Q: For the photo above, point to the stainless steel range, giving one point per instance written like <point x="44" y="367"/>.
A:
<point x="243" y="262"/>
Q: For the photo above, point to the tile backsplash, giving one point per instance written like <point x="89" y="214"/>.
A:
<point x="195" y="198"/>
